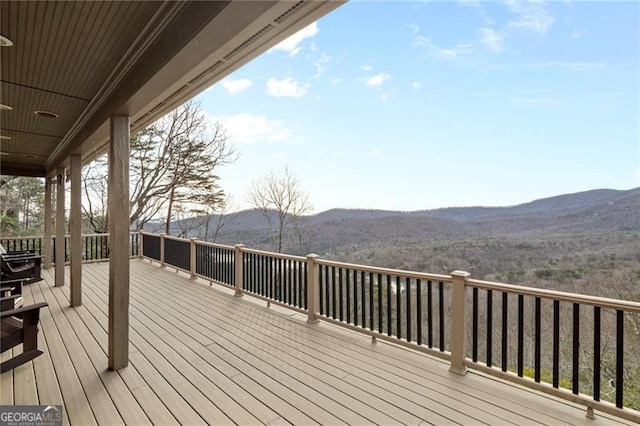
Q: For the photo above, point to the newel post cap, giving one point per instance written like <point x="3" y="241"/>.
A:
<point x="460" y="274"/>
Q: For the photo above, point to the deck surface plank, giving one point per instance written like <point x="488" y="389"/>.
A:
<point x="198" y="355"/>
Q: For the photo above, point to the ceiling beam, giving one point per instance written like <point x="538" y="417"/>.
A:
<point x="15" y="169"/>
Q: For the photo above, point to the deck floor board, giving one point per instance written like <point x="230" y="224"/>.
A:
<point x="198" y="355"/>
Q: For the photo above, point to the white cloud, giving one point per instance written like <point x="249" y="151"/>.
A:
<point x="416" y="85"/>
<point x="386" y="95"/>
<point x="285" y="88"/>
<point x="320" y="65"/>
<point x="248" y="128"/>
<point x="236" y="86"/>
<point x="336" y="80"/>
<point x="366" y="67"/>
<point x="451" y="52"/>
<point x="291" y="45"/>
<point x="377" y="80"/>
<point x="530" y="16"/>
<point x="490" y="38"/>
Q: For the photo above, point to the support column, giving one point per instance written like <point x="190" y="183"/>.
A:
<point x="60" y="228"/>
<point x="119" y="243"/>
<point x="239" y="269"/>
<point x="75" y="225"/>
<point x="46" y="247"/>
<point x="312" y="288"/>
<point x="458" y="321"/>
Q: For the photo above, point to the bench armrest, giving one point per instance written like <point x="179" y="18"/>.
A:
<point x="21" y="311"/>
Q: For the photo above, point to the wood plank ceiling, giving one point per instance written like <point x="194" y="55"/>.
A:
<point x="85" y="61"/>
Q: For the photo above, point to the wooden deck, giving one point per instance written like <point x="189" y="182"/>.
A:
<point x="201" y="356"/>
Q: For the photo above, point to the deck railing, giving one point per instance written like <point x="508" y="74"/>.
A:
<point x="568" y="345"/>
<point x="95" y="247"/>
<point x="533" y="337"/>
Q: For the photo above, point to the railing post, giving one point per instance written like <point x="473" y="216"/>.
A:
<point x="312" y="288"/>
<point x="140" y="248"/>
<point x="192" y="258"/>
<point x="162" y="248"/>
<point x="239" y="265"/>
<point x="458" y="321"/>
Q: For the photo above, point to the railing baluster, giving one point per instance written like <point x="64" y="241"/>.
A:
<point x="363" y="300"/>
<point x="441" y="314"/>
<point x="474" y="325"/>
<point x="341" y="286"/>
<point x="371" y="315"/>
<point x="596" y="353"/>
<point x="505" y="317"/>
<point x="333" y="292"/>
<point x="280" y="285"/>
<point x="419" y="311"/>
<point x="520" y="334"/>
<point x="355" y="297"/>
<point x="322" y="290"/>
<point x="348" y="284"/>
<point x="380" y="327"/>
<point x="576" y="349"/>
<point x="429" y="315"/>
<point x="398" y="308"/>
<point x="327" y="293"/>
<point x="389" y="305"/>
<point x="536" y="346"/>
<point x="619" y="358"/>
<point x="556" y="344"/>
<point x="407" y="294"/>
<point x="489" y="327"/>
<point x="291" y="298"/>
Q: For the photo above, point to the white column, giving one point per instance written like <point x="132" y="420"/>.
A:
<point x="46" y="248"/>
<point x="119" y="243"/>
<point x="60" y="228"/>
<point x="458" y="322"/>
<point x="75" y="225"/>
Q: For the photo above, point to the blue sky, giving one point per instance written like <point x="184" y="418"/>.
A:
<point x="414" y="105"/>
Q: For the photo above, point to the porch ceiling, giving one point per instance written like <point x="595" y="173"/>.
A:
<point x="86" y="61"/>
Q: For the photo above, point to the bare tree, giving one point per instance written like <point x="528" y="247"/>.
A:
<point x="174" y="162"/>
<point x="213" y="216"/>
<point x="173" y="165"/>
<point x="280" y="195"/>
<point x="94" y="206"/>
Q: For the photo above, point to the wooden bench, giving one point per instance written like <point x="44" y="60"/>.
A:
<point x="15" y="265"/>
<point x="19" y="326"/>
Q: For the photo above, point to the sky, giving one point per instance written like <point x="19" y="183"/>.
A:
<point x="408" y="105"/>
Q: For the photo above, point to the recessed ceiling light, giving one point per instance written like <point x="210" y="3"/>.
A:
<point x="29" y="156"/>
<point x="4" y="153"/>
<point x="4" y="107"/>
<point x="46" y="114"/>
<point x="3" y="137"/>
<point x="5" y="42"/>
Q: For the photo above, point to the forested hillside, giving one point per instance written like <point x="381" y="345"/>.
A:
<point x="587" y="242"/>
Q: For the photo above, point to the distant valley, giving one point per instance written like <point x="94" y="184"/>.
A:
<point x="573" y="241"/>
